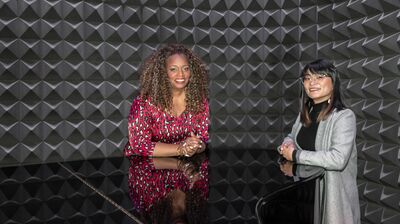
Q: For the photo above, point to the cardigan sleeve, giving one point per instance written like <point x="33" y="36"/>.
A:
<point x="291" y="136"/>
<point x="342" y="141"/>
<point x="139" y="130"/>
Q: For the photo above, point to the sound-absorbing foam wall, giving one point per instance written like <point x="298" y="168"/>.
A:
<point x="69" y="73"/>
<point x="366" y="51"/>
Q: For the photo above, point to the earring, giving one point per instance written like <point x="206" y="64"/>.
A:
<point x="329" y="101"/>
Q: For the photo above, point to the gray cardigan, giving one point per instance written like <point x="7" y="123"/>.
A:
<point x="336" y="152"/>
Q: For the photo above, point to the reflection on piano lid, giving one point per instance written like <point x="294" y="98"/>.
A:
<point x="169" y="190"/>
<point x="295" y="202"/>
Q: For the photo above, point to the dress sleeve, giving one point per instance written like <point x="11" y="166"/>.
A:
<point x="139" y="130"/>
<point x="202" y="123"/>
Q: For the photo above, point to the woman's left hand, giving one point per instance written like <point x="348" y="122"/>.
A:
<point x="201" y="146"/>
<point x="193" y="145"/>
<point x="189" y="171"/>
<point x="196" y="143"/>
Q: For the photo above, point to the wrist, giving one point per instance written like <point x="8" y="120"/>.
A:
<point x="179" y="164"/>
<point x="182" y="149"/>
<point x="294" y="155"/>
<point x="179" y="149"/>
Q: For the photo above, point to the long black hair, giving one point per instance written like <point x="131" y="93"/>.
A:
<point x="322" y="67"/>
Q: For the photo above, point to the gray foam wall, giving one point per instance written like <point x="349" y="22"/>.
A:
<point x="69" y="73"/>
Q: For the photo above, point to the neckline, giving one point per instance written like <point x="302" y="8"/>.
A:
<point x="318" y="107"/>
<point x="176" y="116"/>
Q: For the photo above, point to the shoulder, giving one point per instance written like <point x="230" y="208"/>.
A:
<point x="139" y="101"/>
<point x="345" y="113"/>
<point x="140" y="105"/>
<point x="205" y="103"/>
<point x="344" y="117"/>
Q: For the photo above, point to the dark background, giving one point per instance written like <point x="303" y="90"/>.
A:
<point x="69" y="73"/>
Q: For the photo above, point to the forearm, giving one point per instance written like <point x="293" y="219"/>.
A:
<point x="165" y="163"/>
<point x="330" y="160"/>
<point x="339" y="148"/>
<point x="165" y="150"/>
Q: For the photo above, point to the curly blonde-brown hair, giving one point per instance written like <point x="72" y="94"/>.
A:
<point x="156" y="87"/>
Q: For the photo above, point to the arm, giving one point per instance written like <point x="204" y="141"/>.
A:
<point x="192" y="146"/>
<point x="288" y="141"/>
<point x="305" y="171"/>
<point x="139" y="130"/>
<point x="201" y="124"/>
<point x="166" y="163"/>
<point x="342" y="140"/>
<point x="165" y="150"/>
<point x="140" y="134"/>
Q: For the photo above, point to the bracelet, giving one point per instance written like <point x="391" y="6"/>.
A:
<point x="181" y="149"/>
<point x="182" y="165"/>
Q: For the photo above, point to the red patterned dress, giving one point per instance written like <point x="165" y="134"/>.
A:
<point x="148" y="124"/>
<point x="148" y="185"/>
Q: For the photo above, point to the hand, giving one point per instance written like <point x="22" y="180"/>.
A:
<point x="201" y="146"/>
<point x="286" y="150"/>
<point x="287" y="168"/>
<point x="189" y="171"/>
<point x="287" y="142"/>
<point x="191" y="145"/>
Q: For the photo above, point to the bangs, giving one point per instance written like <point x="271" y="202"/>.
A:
<point x="314" y="72"/>
<point x="320" y="66"/>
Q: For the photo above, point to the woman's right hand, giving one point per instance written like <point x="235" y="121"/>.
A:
<point x="287" y="168"/>
<point x="287" y="143"/>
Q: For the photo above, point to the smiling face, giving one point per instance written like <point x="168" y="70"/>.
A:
<point x="319" y="87"/>
<point x="178" y="71"/>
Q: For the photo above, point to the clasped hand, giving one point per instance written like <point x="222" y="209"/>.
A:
<point x="286" y="150"/>
<point x="189" y="171"/>
<point x="287" y="168"/>
<point x="191" y="145"/>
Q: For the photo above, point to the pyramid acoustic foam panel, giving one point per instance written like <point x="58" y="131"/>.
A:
<point x="69" y="73"/>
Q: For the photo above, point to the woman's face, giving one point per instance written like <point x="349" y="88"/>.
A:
<point x="178" y="71"/>
<point x="318" y="87"/>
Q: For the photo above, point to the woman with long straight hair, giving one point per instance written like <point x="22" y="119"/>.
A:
<point x="324" y="135"/>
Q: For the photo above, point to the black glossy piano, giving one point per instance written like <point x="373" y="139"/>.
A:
<point x="222" y="186"/>
<point x="259" y="186"/>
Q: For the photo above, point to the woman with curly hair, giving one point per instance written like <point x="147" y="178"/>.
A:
<point x="171" y="116"/>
